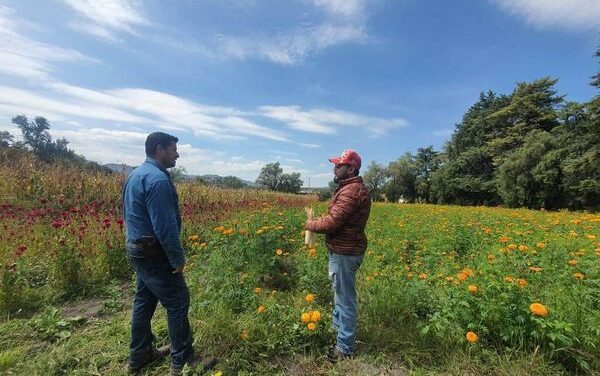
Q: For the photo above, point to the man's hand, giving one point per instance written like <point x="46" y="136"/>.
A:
<point x="179" y="269"/>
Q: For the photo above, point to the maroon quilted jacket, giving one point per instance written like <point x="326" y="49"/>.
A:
<point x="344" y="224"/>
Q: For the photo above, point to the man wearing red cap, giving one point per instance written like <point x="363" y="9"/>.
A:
<point x="344" y="226"/>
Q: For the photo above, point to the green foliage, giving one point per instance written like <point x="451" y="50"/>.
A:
<point x="374" y="178"/>
<point x="272" y="177"/>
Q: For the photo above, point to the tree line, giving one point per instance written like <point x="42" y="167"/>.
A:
<point x="530" y="148"/>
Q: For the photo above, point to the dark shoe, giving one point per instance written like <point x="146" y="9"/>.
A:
<point x="196" y="364"/>
<point x="151" y="357"/>
<point x="336" y="354"/>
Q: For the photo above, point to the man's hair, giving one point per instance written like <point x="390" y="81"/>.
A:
<point x="158" y="138"/>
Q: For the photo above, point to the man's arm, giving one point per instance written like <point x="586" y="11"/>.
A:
<point x="343" y="208"/>
<point x="162" y="213"/>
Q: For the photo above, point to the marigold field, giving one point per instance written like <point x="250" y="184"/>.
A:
<point x="442" y="290"/>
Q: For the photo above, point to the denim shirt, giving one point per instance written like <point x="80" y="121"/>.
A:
<point x="151" y="208"/>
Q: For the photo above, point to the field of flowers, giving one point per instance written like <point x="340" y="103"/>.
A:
<point x="442" y="290"/>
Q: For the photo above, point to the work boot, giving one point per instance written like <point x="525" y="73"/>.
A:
<point x="151" y="357"/>
<point x="336" y="354"/>
<point x="196" y="364"/>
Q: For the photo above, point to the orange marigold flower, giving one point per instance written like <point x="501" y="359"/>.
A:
<point x="312" y="252"/>
<point x="468" y="271"/>
<point x="538" y="309"/>
<point x="472" y="337"/>
<point x="261" y="309"/>
<point x="244" y="335"/>
<point x="311" y="326"/>
<point x="202" y="245"/>
<point x="462" y="277"/>
<point x="243" y="231"/>
<point x="423" y="276"/>
<point x="522" y="282"/>
<point x="309" y="298"/>
<point x="540" y="245"/>
<point x="579" y="275"/>
<point x="523" y="248"/>
<point x="194" y="238"/>
<point x="195" y="245"/>
<point x="591" y="237"/>
<point x="305" y="317"/>
<point x="512" y="246"/>
<point x="258" y="290"/>
<point x="279" y="252"/>
<point x="535" y="269"/>
<point x="504" y="239"/>
<point x="315" y="316"/>
<point x="509" y="279"/>
<point x="472" y="289"/>
<point x="572" y="262"/>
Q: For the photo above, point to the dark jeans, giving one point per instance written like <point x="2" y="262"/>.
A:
<point x="156" y="282"/>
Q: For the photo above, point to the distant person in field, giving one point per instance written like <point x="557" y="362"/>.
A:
<point x="344" y="226"/>
<point x="153" y="225"/>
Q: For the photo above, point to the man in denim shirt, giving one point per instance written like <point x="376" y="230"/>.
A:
<point x="153" y="225"/>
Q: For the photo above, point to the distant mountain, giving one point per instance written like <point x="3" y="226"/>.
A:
<point x="208" y="178"/>
<point x="120" y="168"/>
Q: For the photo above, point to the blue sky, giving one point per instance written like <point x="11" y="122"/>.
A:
<point x="246" y="82"/>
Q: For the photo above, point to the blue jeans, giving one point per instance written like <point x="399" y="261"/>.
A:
<point x="156" y="282"/>
<point x="342" y="273"/>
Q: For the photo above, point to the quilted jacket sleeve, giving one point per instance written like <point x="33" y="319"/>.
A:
<point x="344" y="206"/>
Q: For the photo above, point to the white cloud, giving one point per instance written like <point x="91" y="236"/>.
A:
<point x="570" y="14"/>
<point x="108" y="17"/>
<point x="345" y="8"/>
<point x="26" y="58"/>
<point x="328" y="121"/>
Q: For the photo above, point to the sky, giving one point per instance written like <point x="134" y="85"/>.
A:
<point x="243" y="83"/>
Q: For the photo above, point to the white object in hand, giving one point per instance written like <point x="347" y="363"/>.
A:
<point x="309" y="236"/>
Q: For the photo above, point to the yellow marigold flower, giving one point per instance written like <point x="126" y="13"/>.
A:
<point x="522" y="282"/>
<point x="468" y="271"/>
<point x="462" y="277"/>
<point x="218" y="373"/>
<point x="194" y="238"/>
<point x="305" y="317"/>
<point x="538" y="309"/>
<point x="523" y="248"/>
<point x="535" y="269"/>
<point x="219" y="228"/>
<point x="491" y="257"/>
<point x="509" y="279"/>
<point x="259" y="231"/>
<point x="258" y="290"/>
<point x="449" y="278"/>
<point x="309" y="298"/>
<point x="591" y="237"/>
<point x="279" y="252"/>
<point x="472" y="337"/>
<point x="410" y="275"/>
<point x="422" y="276"/>
<point x="579" y="275"/>
<point x="245" y="335"/>
<point x="315" y="316"/>
<point x="540" y="245"/>
<point x="261" y="309"/>
<point x="512" y="246"/>
<point x="202" y="245"/>
<point x="312" y="326"/>
<point x="472" y="289"/>
<point x="312" y="253"/>
<point x="572" y="262"/>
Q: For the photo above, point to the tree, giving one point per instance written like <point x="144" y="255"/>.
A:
<point x="290" y="183"/>
<point x="270" y="176"/>
<point x="374" y="178"/>
<point x="402" y="177"/>
<point x="232" y="182"/>
<point x="6" y="139"/>
<point x="427" y="162"/>
<point x="35" y="133"/>
<point x="177" y="173"/>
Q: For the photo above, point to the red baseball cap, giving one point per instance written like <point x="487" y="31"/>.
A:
<point x="348" y="157"/>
